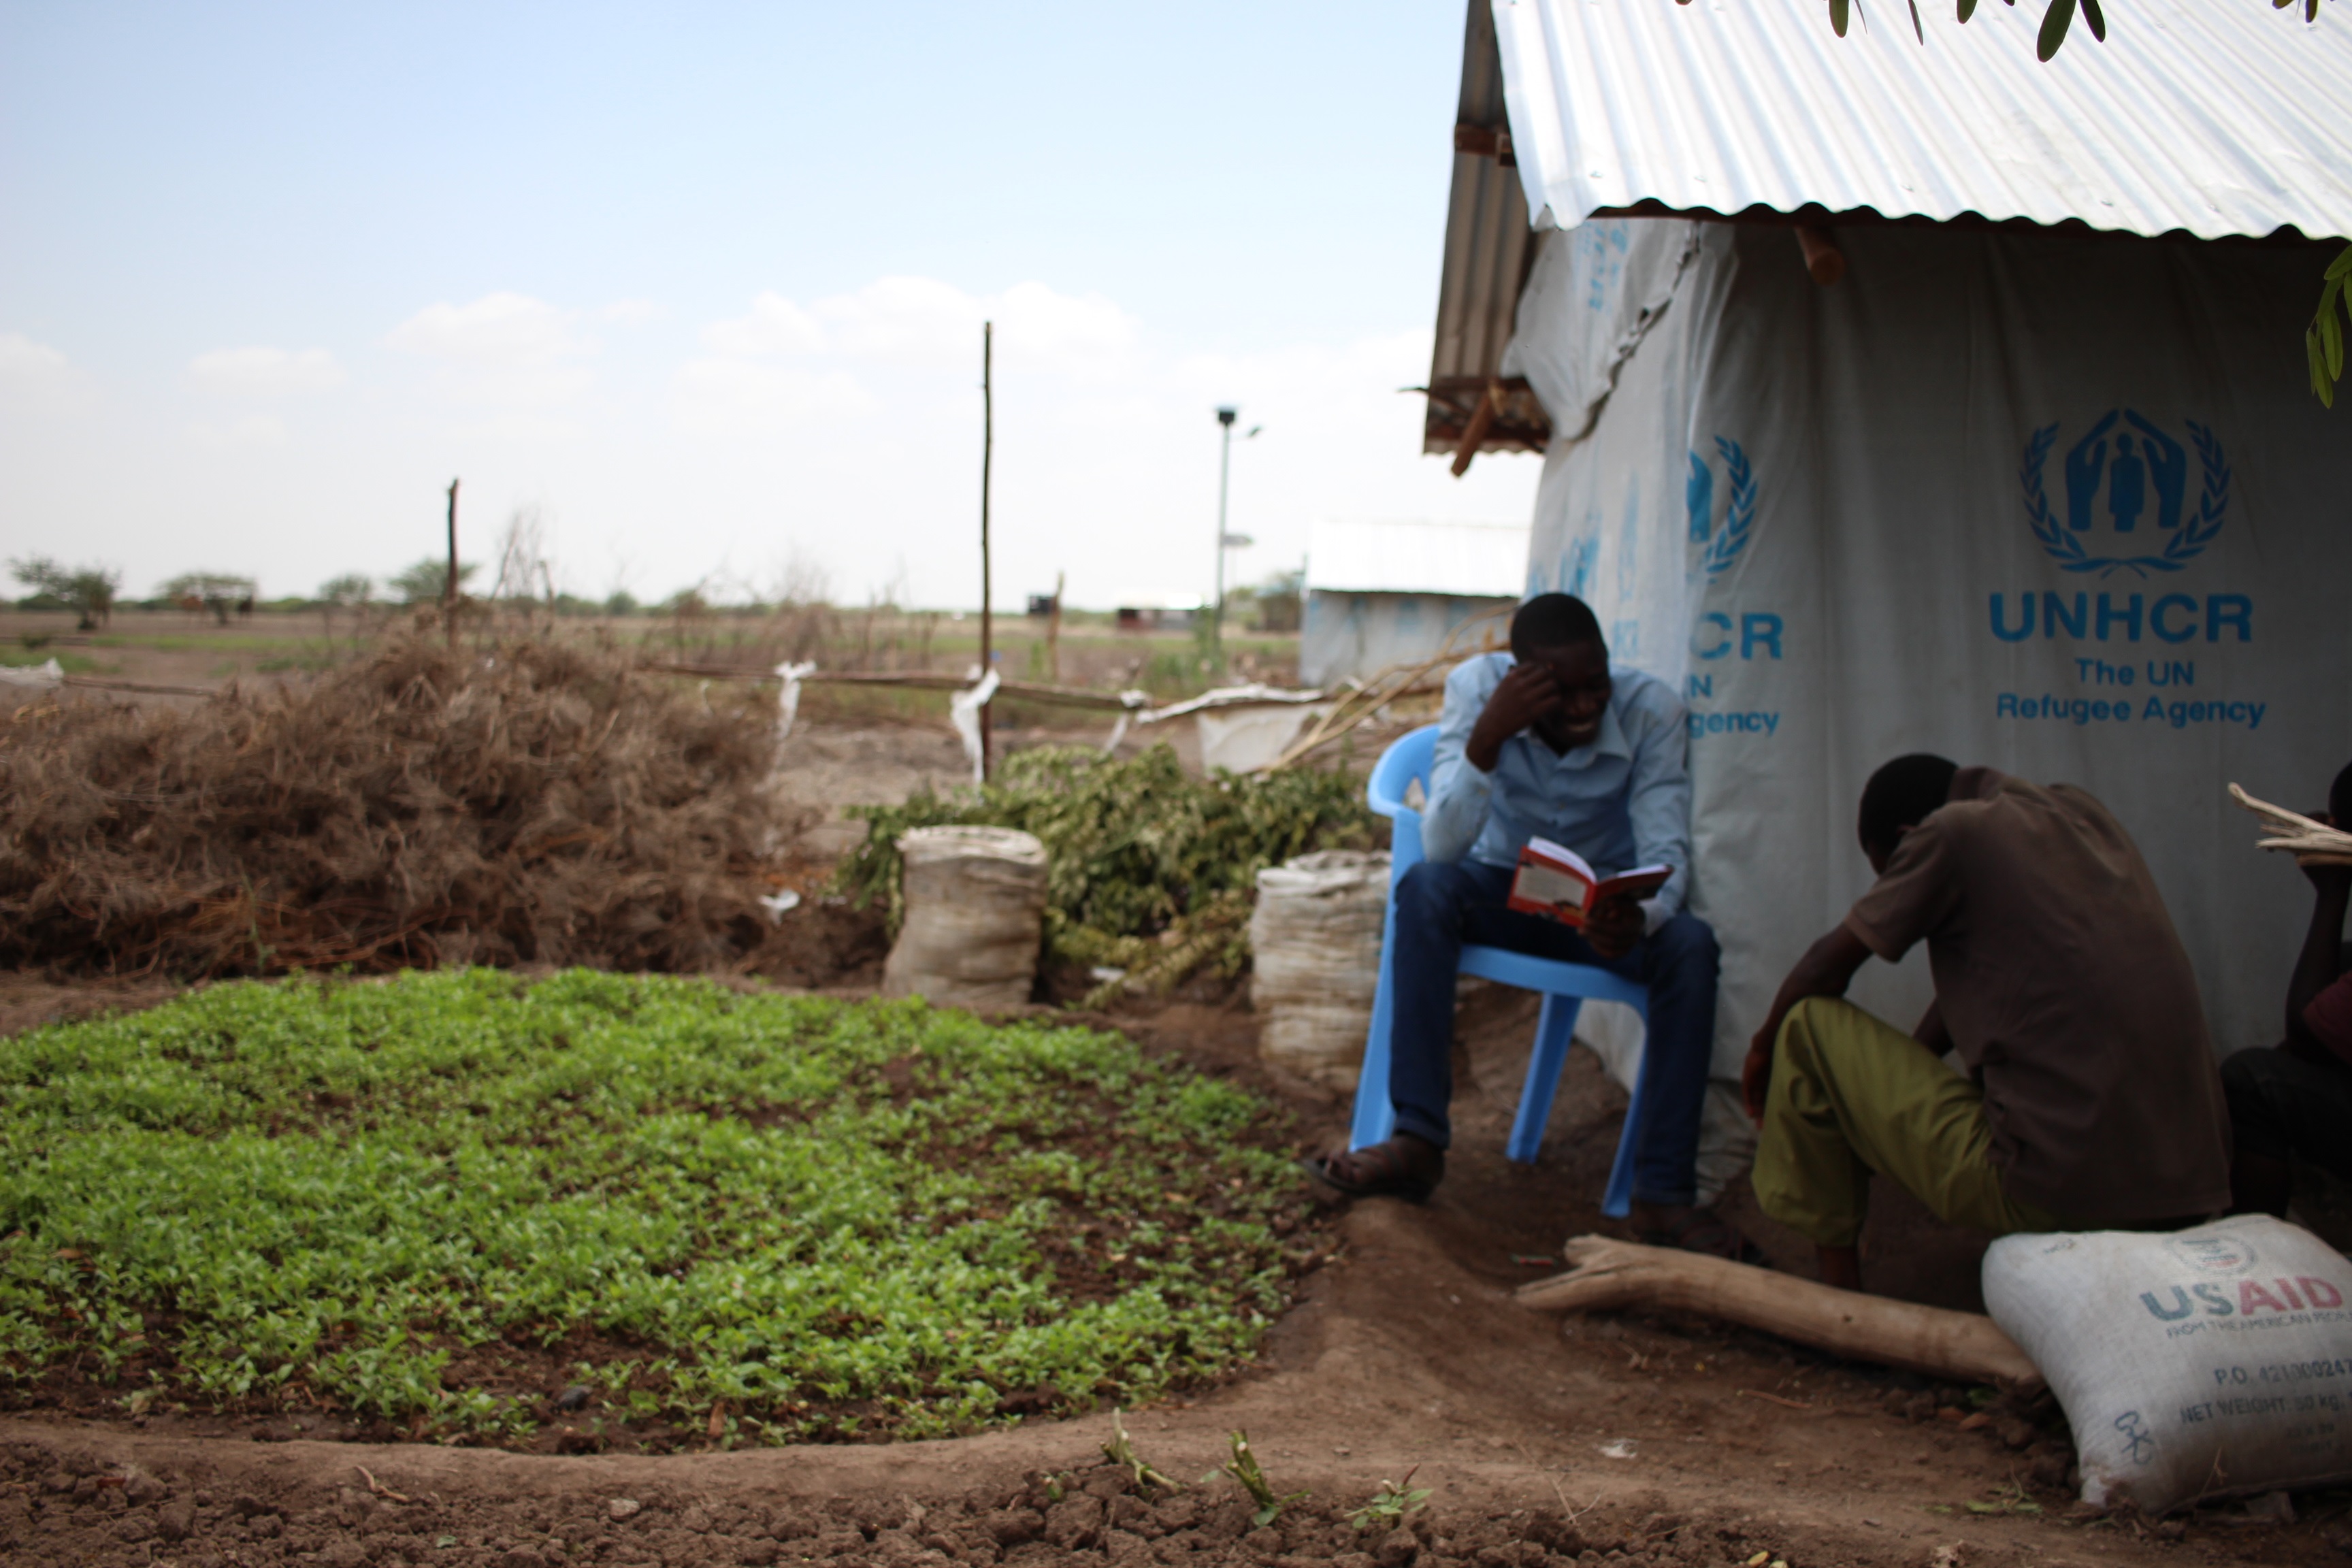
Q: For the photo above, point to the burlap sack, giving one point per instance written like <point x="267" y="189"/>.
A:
<point x="1314" y="946"/>
<point x="975" y="911"/>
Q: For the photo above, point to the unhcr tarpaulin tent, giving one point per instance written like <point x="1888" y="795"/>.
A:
<point x="2040" y="483"/>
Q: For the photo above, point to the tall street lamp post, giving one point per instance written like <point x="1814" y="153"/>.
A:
<point x="1225" y="418"/>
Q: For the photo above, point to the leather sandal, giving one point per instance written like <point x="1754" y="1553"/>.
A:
<point x="1402" y="1167"/>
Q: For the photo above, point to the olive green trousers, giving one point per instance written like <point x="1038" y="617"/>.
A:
<point x="1852" y="1094"/>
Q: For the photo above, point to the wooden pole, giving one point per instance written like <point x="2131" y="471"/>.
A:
<point x="449" y="588"/>
<point x="1607" y="1275"/>
<point x="1823" y="260"/>
<point x="1054" y="633"/>
<point x="987" y="454"/>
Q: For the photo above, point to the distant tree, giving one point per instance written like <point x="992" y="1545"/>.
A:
<point x="424" y="583"/>
<point x="621" y="603"/>
<point x="87" y="591"/>
<point x="525" y="572"/>
<point x="1279" y="601"/>
<point x="221" y="593"/>
<point x="351" y="591"/>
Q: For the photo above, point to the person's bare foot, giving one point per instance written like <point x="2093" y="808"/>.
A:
<point x="1840" y="1266"/>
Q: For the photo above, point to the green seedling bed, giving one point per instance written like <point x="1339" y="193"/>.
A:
<point x="637" y="1212"/>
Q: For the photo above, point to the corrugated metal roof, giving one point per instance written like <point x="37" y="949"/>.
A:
<point x="1384" y="555"/>
<point x="1488" y="244"/>
<point x="2215" y="117"/>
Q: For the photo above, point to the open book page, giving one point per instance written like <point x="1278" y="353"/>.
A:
<point x="1556" y="882"/>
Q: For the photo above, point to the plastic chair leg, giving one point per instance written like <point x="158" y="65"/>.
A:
<point x="1375" y="1116"/>
<point x="1617" y="1202"/>
<point x="1554" y="1031"/>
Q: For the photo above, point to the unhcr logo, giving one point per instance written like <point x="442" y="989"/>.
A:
<point x="2125" y="503"/>
<point x="1720" y="545"/>
<point x="2126" y="489"/>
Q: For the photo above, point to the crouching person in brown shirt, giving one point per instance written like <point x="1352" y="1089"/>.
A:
<point x="2090" y="1099"/>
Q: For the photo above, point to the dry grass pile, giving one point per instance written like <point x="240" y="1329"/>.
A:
<point x="525" y="801"/>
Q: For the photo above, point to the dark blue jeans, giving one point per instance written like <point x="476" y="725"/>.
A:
<point x="1442" y="908"/>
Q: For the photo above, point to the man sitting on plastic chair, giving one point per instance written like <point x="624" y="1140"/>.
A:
<point x="1549" y="740"/>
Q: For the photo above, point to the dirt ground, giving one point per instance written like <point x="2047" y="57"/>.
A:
<point x="1605" y="1439"/>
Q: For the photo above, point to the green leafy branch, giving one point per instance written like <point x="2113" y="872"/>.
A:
<point x="1152" y="871"/>
<point x="2323" y="341"/>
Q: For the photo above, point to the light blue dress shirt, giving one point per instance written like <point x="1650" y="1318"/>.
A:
<point x="1622" y="802"/>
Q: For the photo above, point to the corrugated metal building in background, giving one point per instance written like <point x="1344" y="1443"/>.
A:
<point x="1389" y="592"/>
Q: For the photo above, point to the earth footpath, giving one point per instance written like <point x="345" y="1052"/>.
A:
<point x="1616" y="1439"/>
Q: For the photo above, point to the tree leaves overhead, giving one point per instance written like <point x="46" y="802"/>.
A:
<point x="2056" y="19"/>
<point x="2054" y="23"/>
<point x="2323" y="341"/>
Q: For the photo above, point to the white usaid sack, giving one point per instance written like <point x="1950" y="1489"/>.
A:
<point x="1315" y="961"/>
<point x="2212" y="1360"/>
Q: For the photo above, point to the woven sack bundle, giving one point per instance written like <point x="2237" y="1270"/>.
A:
<point x="975" y="902"/>
<point x="1314" y="946"/>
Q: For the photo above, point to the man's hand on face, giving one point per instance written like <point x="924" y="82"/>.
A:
<point x="1526" y="693"/>
<point x="1613" y="925"/>
<point x="1561" y="694"/>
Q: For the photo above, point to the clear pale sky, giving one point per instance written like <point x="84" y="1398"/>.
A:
<point x="704" y="284"/>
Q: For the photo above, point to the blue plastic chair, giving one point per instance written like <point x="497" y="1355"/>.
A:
<point x="1565" y="987"/>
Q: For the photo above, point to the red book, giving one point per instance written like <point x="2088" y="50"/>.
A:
<point x="1556" y="882"/>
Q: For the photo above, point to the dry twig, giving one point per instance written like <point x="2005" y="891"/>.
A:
<point x="378" y="1488"/>
<point x="1772" y="1399"/>
<point x="2310" y="843"/>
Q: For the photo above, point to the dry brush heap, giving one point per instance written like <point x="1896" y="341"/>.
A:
<point x="525" y="801"/>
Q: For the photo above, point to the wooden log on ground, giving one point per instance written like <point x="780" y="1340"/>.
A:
<point x="1609" y="1274"/>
